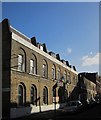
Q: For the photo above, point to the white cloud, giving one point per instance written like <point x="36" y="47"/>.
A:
<point x="69" y="50"/>
<point x="91" y="53"/>
<point x="91" y="60"/>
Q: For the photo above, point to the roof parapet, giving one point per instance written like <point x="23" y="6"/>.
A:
<point x="33" y="41"/>
<point x="52" y="54"/>
<point x="58" y="57"/>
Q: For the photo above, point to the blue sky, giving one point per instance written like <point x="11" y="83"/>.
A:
<point x="69" y="28"/>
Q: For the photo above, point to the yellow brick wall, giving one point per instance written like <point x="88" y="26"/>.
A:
<point x="17" y="77"/>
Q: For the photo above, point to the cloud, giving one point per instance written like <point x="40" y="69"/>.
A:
<point x="69" y="50"/>
<point x="89" y="60"/>
<point x="91" y="53"/>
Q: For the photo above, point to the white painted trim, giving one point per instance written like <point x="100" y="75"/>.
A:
<point x="13" y="69"/>
<point x="19" y="32"/>
<point x="32" y="47"/>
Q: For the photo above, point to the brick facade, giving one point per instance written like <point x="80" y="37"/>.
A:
<point x="38" y="80"/>
<point x="21" y="82"/>
<point x="32" y="77"/>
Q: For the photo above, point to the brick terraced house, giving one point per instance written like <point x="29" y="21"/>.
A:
<point x="33" y="78"/>
<point x="36" y="80"/>
<point x="89" y="86"/>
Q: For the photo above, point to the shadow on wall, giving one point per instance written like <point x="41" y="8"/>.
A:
<point x="78" y="93"/>
<point x="24" y="109"/>
<point x="6" y="57"/>
<point x="19" y="111"/>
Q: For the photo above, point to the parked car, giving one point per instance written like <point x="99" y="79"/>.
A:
<point x="72" y="107"/>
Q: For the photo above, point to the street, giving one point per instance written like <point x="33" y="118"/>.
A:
<point x="89" y="113"/>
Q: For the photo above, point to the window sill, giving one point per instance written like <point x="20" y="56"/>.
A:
<point x="45" y="104"/>
<point x="17" y="70"/>
<point x="34" y="74"/>
<point x="44" y="77"/>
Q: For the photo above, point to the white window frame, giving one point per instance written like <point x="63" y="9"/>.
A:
<point x="65" y="76"/>
<point x="69" y="78"/>
<point x="20" y="95"/>
<point x="44" y="70"/>
<point x="53" y="73"/>
<point x="32" y="67"/>
<point x="59" y="74"/>
<point x="41" y="47"/>
<point x="20" y="62"/>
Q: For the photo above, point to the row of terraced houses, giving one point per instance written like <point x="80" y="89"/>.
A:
<point x="34" y="79"/>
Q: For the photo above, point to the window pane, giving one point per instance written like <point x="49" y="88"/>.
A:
<point x="69" y="78"/>
<point x="45" y="96"/>
<point x="32" y="67"/>
<point x="32" y="95"/>
<point x="58" y="74"/>
<point x="44" y="70"/>
<point x="41" y="47"/>
<point x="19" y="66"/>
<point x="31" y="63"/>
<point x="20" y="95"/>
<point x="20" y="63"/>
<point x="19" y="58"/>
<point x="53" y="73"/>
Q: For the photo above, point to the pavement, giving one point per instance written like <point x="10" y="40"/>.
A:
<point x="92" y="112"/>
<point x="46" y="115"/>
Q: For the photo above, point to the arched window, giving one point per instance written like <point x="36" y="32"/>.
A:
<point x="65" y="75"/>
<point x="58" y="74"/>
<point x="33" y="65"/>
<point x="45" y="95"/>
<point x="45" y="69"/>
<point x="53" y="72"/>
<point x="62" y="94"/>
<point x="75" y="79"/>
<point x="22" y="60"/>
<point x="33" y="95"/>
<point x="21" y="95"/>
<point x="69" y="78"/>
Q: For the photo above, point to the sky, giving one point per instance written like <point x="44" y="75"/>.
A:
<point x="50" y="0"/>
<point x="68" y="28"/>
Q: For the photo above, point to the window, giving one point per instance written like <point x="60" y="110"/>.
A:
<point x="45" y="69"/>
<point x="53" y="72"/>
<point x="20" y="63"/>
<point x="22" y="60"/>
<point x="33" y="95"/>
<point x="75" y="80"/>
<point x="65" y="76"/>
<point x="69" y="78"/>
<point x="21" y="95"/>
<point x="58" y="74"/>
<point x="41" y="47"/>
<point x="45" y="95"/>
<point x="32" y="67"/>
